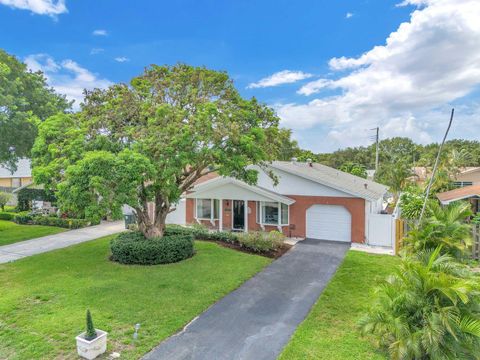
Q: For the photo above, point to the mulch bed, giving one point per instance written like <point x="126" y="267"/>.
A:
<point x="270" y="254"/>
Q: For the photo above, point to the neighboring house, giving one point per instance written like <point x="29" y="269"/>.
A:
<point x="469" y="193"/>
<point x="466" y="177"/>
<point x="310" y="200"/>
<point x="469" y="176"/>
<point x="420" y="174"/>
<point x="21" y="177"/>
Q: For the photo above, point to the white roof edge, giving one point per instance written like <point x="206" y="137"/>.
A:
<point x="330" y="184"/>
<point x="446" y="202"/>
<point x="226" y="180"/>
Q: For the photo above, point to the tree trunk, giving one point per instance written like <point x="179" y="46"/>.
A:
<point x="152" y="228"/>
<point x="153" y="232"/>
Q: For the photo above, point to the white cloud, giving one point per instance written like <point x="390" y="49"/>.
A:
<point x="96" y="51"/>
<point x="122" y="59"/>
<point x="348" y="15"/>
<point x="315" y="86"/>
<point x="100" y="32"/>
<point x="405" y="86"/>
<point x="41" y="7"/>
<point x="279" y="78"/>
<point x="67" y="76"/>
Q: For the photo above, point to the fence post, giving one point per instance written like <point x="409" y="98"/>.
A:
<point x="399" y="233"/>
<point x="476" y="241"/>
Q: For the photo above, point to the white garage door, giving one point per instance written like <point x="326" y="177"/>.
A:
<point x="329" y="222"/>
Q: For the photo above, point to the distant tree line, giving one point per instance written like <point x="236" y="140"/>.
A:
<point x="462" y="152"/>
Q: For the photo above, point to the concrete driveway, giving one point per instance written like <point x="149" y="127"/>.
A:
<point x="256" y="321"/>
<point x="43" y="244"/>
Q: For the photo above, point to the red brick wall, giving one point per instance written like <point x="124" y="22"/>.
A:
<point x="298" y="212"/>
<point x="355" y="206"/>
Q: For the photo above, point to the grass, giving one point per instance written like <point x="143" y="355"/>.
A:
<point x="330" y="330"/>
<point x="45" y="297"/>
<point x="11" y="232"/>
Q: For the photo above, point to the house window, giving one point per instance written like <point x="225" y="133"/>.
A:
<point x="462" y="183"/>
<point x="284" y="213"/>
<point x="272" y="213"/>
<point x="207" y="209"/>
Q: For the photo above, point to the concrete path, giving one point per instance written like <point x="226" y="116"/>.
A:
<point x="256" y="321"/>
<point x="43" y="244"/>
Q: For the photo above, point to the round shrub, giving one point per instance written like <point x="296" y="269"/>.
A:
<point x="134" y="248"/>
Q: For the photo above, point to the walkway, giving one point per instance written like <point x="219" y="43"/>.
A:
<point x="256" y="321"/>
<point x="43" y="244"/>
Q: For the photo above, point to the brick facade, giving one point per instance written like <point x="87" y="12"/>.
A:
<point x="298" y="210"/>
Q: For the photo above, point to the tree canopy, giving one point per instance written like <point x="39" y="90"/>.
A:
<point x="25" y="101"/>
<point x="149" y="141"/>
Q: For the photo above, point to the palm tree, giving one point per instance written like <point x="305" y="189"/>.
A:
<point x="396" y="175"/>
<point x="445" y="226"/>
<point x="428" y="309"/>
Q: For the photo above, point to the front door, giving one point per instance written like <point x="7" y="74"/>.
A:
<point x="238" y="215"/>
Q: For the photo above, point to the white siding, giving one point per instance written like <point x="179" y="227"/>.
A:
<point x="295" y="185"/>
<point x="229" y="191"/>
<point x="179" y="216"/>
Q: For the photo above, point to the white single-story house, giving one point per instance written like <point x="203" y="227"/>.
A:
<point x="310" y="200"/>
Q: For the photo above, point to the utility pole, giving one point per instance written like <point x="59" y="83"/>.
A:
<point x="376" y="137"/>
<point x="427" y="193"/>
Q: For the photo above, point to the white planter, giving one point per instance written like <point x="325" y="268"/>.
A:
<point x="90" y="349"/>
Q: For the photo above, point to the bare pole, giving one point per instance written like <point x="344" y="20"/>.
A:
<point x="427" y="193"/>
<point x="377" y="129"/>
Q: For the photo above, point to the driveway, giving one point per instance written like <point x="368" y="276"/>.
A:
<point x="256" y="321"/>
<point x="43" y="244"/>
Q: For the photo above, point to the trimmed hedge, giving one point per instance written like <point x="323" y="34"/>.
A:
<point x="27" y="218"/>
<point x="61" y="222"/>
<point x="23" y="218"/>
<point x="7" y="216"/>
<point x="134" y="248"/>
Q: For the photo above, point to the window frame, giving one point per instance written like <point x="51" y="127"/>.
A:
<point x="261" y="211"/>
<point x="214" y="215"/>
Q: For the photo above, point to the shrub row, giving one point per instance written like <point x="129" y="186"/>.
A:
<point x="23" y="218"/>
<point x="4" y="215"/>
<point x="134" y="248"/>
<point x="260" y="241"/>
<point x="61" y="222"/>
<point x="256" y="241"/>
<point x="26" y="218"/>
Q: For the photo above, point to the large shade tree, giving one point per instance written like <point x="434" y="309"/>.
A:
<point x="149" y="141"/>
<point x="25" y="101"/>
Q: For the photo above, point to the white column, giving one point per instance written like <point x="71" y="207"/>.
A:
<point x="279" y="222"/>
<point x="220" y="217"/>
<point x="245" y="225"/>
<point x="262" y="226"/>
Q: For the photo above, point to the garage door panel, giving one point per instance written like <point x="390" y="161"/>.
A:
<point x="329" y="222"/>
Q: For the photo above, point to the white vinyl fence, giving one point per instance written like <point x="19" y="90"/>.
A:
<point x="381" y="230"/>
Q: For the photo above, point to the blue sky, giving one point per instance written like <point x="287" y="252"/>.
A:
<point x="328" y="103"/>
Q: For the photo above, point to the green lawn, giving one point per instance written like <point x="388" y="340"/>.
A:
<point x="44" y="298"/>
<point x="11" y="232"/>
<point x="330" y="330"/>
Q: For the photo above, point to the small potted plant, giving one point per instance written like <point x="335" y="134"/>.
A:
<point x="92" y="342"/>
